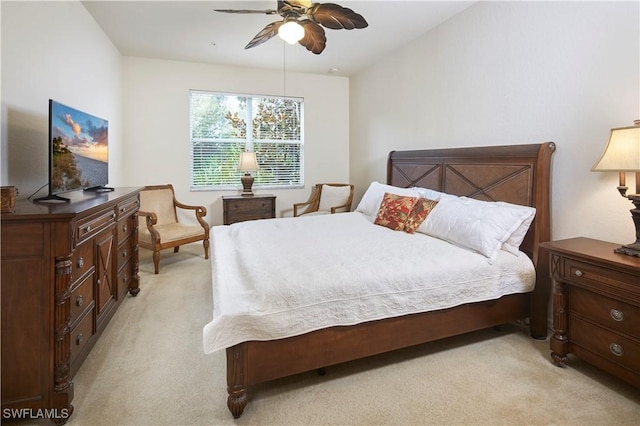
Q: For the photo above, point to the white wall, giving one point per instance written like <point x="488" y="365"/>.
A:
<point x="53" y="50"/>
<point x="156" y="129"/>
<point x="512" y="73"/>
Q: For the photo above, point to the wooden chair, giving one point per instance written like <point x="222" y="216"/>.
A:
<point x="327" y="198"/>
<point x="159" y="227"/>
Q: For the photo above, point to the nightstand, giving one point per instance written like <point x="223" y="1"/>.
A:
<point x="238" y="208"/>
<point x="596" y="306"/>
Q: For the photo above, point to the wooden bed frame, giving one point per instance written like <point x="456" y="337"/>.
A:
<point x="518" y="174"/>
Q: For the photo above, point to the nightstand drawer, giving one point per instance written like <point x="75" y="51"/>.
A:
<point x="609" y="312"/>
<point x="250" y="205"/>
<point x="605" y="343"/>
<point x="242" y="208"/>
<point x="589" y="275"/>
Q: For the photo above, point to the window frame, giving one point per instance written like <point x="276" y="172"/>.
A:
<point x="249" y="143"/>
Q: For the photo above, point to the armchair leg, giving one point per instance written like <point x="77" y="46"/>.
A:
<point x="156" y="261"/>
<point x="205" y="243"/>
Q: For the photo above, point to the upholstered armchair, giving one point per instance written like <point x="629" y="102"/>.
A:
<point x="159" y="227"/>
<point x="326" y="198"/>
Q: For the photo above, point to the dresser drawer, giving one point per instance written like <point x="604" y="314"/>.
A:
<point x="92" y="225"/>
<point x="607" y="344"/>
<point x="124" y="252"/>
<point x="83" y="260"/>
<point x="81" y="299"/>
<point x="127" y="207"/>
<point x="125" y="227"/>
<point x="81" y="334"/>
<point x="609" y="312"/>
<point x="588" y="275"/>
<point x="124" y="279"/>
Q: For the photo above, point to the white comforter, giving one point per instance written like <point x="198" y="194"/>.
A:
<point x="279" y="278"/>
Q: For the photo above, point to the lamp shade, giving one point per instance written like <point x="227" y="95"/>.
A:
<point x="622" y="153"/>
<point x="248" y="162"/>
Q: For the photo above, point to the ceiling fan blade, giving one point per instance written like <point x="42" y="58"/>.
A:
<point x="336" y="17"/>
<point x="267" y="32"/>
<point x="245" y="11"/>
<point x="314" y="38"/>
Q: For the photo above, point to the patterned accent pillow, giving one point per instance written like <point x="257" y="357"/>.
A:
<point x="394" y="211"/>
<point x="419" y="213"/>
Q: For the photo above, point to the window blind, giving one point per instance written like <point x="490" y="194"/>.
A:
<point x="223" y="125"/>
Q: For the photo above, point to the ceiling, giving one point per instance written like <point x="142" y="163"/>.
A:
<point x="191" y="31"/>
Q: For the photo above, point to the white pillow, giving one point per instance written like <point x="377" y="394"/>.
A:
<point x="512" y="245"/>
<point x="371" y="200"/>
<point x="479" y="225"/>
<point x="333" y="196"/>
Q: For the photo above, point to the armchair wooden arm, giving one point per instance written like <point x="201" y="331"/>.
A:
<point x="200" y="211"/>
<point x="314" y="203"/>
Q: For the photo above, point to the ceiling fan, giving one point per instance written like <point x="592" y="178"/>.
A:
<point x="302" y="23"/>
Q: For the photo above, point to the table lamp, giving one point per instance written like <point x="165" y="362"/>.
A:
<point x="248" y="163"/>
<point x="622" y="155"/>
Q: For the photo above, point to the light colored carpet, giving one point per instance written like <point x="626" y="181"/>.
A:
<point x="149" y="368"/>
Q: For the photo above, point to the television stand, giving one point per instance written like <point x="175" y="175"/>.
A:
<point x="51" y="198"/>
<point x="99" y="189"/>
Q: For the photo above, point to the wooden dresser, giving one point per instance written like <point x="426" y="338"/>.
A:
<point x="596" y="306"/>
<point x="65" y="269"/>
<point x="238" y="208"/>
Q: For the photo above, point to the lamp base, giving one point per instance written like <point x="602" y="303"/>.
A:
<point x="633" y="249"/>
<point x="247" y="183"/>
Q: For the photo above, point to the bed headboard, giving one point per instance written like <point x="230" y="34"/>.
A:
<point x="518" y="174"/>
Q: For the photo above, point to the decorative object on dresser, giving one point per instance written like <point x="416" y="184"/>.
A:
<point x="514" y="174"/>
<point x="160" y="227"/>
<point x="65" y="270"/>
<point x="596" y="306"/>
<point x="248" y="163"/>
<point x="622" y="155"/>
<point x="238" y="208"/>
<point x="327" y="198"/>
<point x="8" y="194"/>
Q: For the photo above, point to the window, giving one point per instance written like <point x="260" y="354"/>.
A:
<point x="223" y="125"/>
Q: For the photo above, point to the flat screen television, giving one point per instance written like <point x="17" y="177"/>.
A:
<point x="78" y="152"/>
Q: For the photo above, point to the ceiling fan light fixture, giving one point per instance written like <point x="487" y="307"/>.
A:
<point x="291" y="31"/>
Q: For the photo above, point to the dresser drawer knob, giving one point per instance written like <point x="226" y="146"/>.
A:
<point x="124" y="228"/>
<point x="79" y="339"/>
<point x="79" y="300"/>
<point x="124" y="254"/>
<point x="578" y="273"/>
<point x="80" y="263"/>
<point x="617" y="315"/>
<point x="616" y="349"/>
<point x="87" y="229"/>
